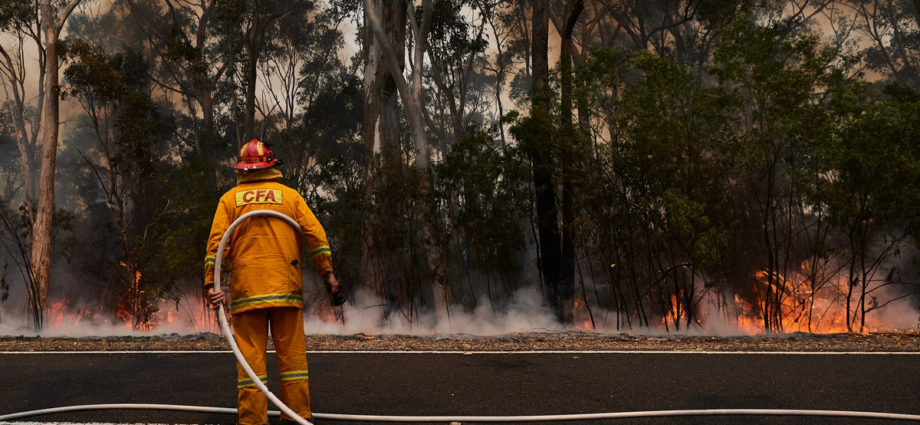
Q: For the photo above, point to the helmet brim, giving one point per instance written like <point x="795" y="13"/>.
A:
<point x="251" y="166"/>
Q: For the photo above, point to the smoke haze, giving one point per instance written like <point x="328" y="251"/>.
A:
<point x="526" y="312"/>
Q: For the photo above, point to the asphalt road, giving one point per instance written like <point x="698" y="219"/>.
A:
<point x="477" y="384"/>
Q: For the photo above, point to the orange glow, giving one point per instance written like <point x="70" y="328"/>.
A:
<point x="581" y="317"/>
<point x="676" y="312"/>
<point x="805" y="306"/>
<point x="188" y="315"/>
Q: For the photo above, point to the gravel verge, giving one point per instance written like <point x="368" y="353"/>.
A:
<point x="531" y="341"/>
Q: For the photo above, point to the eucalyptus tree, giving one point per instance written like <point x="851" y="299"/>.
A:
<point x="19" y="23"/>
<point x="455" y="46"/>
<point x="194" y="48"/>
<point x="546" y="136"/>
<point x="382" y="228"/>
<point x="534" y="135"/>
<point x="21" y="116"/>
<point x="892" y="28"/>
<point x="380" y="26"/>
<point x="41" y="23"/>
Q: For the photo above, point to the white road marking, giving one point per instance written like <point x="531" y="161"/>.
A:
<point x="74" y="423"/>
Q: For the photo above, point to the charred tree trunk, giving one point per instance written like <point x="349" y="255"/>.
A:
<point x="573" y="9"/>
<point x="543" y="160"/>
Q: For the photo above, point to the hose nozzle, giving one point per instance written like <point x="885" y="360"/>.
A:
<point x="338" y="298"/>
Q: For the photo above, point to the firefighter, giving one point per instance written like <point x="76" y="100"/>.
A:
<point x="266" y="285"/>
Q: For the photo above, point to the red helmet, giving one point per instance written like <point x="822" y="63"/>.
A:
<point x="255" y="155"/>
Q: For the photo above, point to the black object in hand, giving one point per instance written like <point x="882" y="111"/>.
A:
<point x="338" y="299"/>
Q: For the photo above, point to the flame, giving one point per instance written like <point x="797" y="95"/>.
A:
<point x="61" y="312"/>
<point x="805" y="305"/>
<point x="189" y="314"/>
<point x="581" y="316"/>
<point x="184" y="316"/>
<point x="675" y="312"/>
<point x="810" y="300"/>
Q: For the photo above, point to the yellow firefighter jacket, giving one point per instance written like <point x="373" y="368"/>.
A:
<point x="264" y="253"/>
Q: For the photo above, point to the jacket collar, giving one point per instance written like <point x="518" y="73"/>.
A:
<point x="258" y="175"/>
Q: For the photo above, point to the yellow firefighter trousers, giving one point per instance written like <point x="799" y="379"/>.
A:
<point x="251" y="328"/>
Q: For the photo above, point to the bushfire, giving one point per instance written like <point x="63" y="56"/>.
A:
<point x="799" y="301"/>
<point x="183" y="316"/>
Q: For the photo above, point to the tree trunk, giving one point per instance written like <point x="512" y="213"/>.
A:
<point x="254" y="45"/>
<point x="25" y="140"/>
<point x="264" y="16"/>
<point x="543" y="160"/>
<point x="384" y="158"/>
<point x="41" y="229"/>
<point x="573" y="9"/>
<point x="413" y="102"/>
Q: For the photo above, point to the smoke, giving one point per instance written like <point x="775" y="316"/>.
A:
<point x="525" y="312"/>
<point x="899" y="315"/>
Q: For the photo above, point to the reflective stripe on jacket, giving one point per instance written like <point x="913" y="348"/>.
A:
<point x="264" y="253"/>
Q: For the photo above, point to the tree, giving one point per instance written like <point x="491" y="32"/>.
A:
<point x="383" y="153"/>
<point x="124" y="121"/>
<point x="50" y="20"/>
<point x="454" y="46"/>
<point x="893" y="28"/>
<point x="535" y="136"/>
<point x="260" y="25"/>
<point x="571" y="138"/>
<point x="548" y="144"/>
<point x="193" y="48"/>
<point x="871" y="188"/>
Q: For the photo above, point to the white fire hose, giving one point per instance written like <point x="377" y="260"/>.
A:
<point x="507" y="419"/>
<point x="225" y="327"/>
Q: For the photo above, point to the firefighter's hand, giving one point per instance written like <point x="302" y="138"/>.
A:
<point x="215" y="298"/>
<point x="332" y="284"/>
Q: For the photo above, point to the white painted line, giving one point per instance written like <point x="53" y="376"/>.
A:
<point x="527" y="352"/>
<point x="79" y="423"/>
<point x="126" y="352"/>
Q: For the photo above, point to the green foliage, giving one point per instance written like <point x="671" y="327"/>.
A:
<point x="764" y="154"/>
<point x="484" y="188"/>
<point x="16" y="14"/>
<point x="328" y="135"/>
<point x="450" y="35"/>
